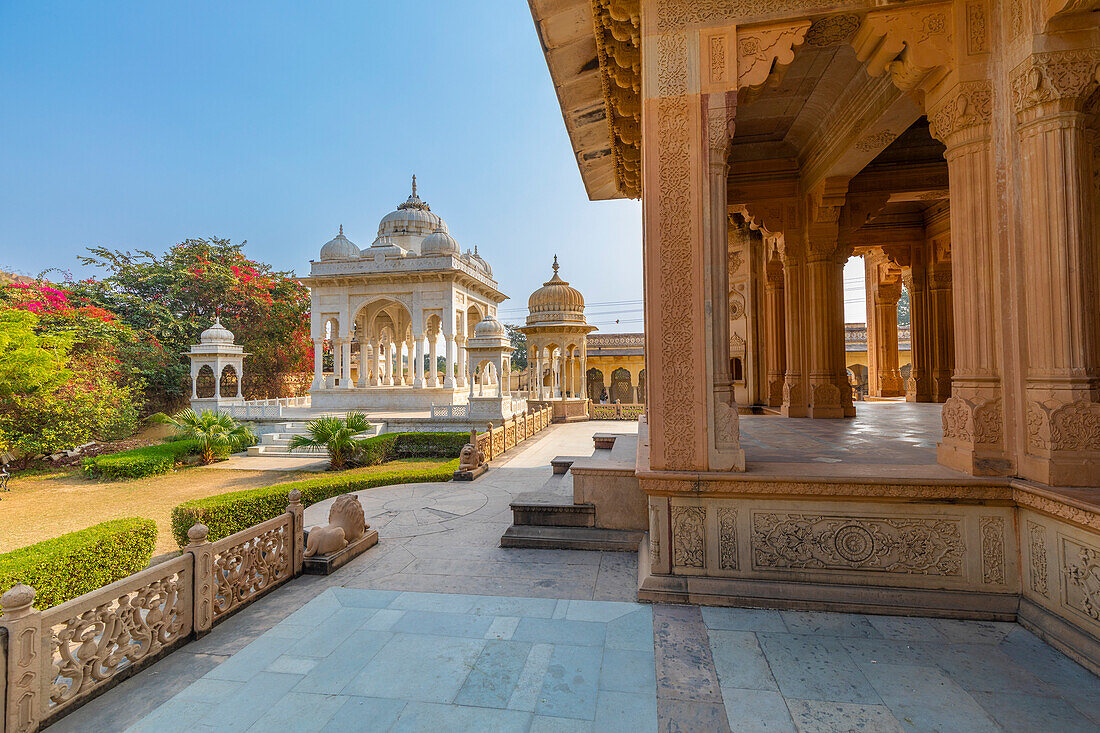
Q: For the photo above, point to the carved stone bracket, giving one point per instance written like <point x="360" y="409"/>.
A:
<point x="761" y="50"/>
<point x="913" y="44"/>
<point x="1072" y="426"/>
<point x="976" y="422"/>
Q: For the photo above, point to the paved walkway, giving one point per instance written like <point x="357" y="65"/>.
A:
<point x="438" y="628"/>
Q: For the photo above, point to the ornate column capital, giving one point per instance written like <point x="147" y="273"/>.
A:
<point x="963" y="113"/>
<point x="1054" y="81"/>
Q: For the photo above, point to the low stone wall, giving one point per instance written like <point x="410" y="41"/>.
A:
<point x="495" y="441"/>
<point x="617" y="411"/>
<point x="55" y="660"/>
<point x="567" y="410"/>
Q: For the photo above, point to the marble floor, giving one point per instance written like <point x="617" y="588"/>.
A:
<point x="438" y="628"/>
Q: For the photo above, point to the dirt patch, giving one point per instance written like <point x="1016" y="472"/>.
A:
<point x="40" y="507"/>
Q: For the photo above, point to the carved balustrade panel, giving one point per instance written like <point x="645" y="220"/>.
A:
<point x="250" y="562"/>
<point x="94" y="638"/>
<point x="498" y="441"/>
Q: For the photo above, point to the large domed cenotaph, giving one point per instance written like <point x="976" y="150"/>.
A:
<point x="412" y="293"/>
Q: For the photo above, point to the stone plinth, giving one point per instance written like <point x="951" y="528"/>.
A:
<point x="328" y="564"/>
<point x="470" y="475"/>
<point x="385" y="398"/>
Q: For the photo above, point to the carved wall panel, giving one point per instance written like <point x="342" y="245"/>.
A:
<point x="993" y="549"/>
<point x="1081" y="570"/>
<point x="928" y="546"/>
<point x="689" y="537"/>
<point x="727" y="538"/>
<point x="1037" y="557"/>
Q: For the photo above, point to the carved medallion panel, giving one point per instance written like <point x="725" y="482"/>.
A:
<point x="925" y="546"/>
<point x="1081" y="571"/>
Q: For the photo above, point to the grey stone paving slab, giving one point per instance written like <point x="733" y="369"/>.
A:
<point x="757" y="711"/>
<point x="814" y="667"/>
<point x="739" y="662"/>
<point x="816" y="716"/>
<point x="685" y="667"/>
<point x="743" y="619"/>
<point x="1024" y="713"/>
<point x="926" y="699"/>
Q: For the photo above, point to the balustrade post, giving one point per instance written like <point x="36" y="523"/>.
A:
<point x="203" y="552"/>
<point x="297" y="526"/>
<point x="490" y="431"/>
<point x="26" y="661"/>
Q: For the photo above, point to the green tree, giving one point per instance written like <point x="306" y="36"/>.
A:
<point x="29" y="362"/>
<point x="175" y="296"/>
<point x="903" y="308"/>
<point x="519" y="346"/>
<point x="339" y="437"/>
<point x="217" y="432"/>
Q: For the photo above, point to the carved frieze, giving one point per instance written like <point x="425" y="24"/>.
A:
<point x="993" y="549"/>
<point x="875" y="142"/>
<point x="688" y="536"/>
<point x="976" y="422"/>
<point x="1037" y="552"/>
<point x="1073" y="426"/>
<point x="925" y="546"/>
<point x="1081" y="567"/>
<point x="1054" y="76"/>
<point x="832" y="30"/>
<point x="675" y="15"/>
<point x="674" y="211"/>
<point x="727" y="538"/>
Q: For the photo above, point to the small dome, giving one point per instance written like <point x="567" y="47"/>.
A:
<point x="555" y="296"/>
<point x="439" y="242"/>
<point x="482" y="263"/>
<point x="490" y="327"/>
<point x="339" y="248"/>
<point x="412" y="217"/>
<point x="216" y="334"/>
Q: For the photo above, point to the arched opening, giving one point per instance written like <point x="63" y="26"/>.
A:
<point x="621" y="388"/>
<point x="641" y="387"/>
<point x="205" y="384"/>
<point x="596" y="390"/>
<point x="228" y="382"/>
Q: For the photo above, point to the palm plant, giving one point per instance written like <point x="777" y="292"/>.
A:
<point x="337" y="436"/>
<point x="213" y="430"/>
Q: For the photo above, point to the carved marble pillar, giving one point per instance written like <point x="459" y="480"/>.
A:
<point x="973" y="418"/>
<point x="399" y="376"/>
<point x="883" y="285"/>
<point x="460" y="377"/>
<point x="449" y="374"/>
<point x="318" y="368"/>
<point x="345" y="363"/>
<point x="774" y="332"/>
<point x="433" y="359"/>
<point x="366" y="355"/>
<point x="1056" y="106"/>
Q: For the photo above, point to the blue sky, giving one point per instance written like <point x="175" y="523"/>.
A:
<point x="136" y="125"/>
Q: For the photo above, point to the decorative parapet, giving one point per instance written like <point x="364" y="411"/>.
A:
<point x="60" y="658"/>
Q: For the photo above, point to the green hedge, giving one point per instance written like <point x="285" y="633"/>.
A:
<point x="140" y="462"/>
<point x="226" y="514"/>
<point x="393" y="446"/>
<point x="76" y="563"/>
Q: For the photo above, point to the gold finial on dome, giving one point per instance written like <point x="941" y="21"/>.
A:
<point x="414" y="184"/>
<point x="555" y="264"/>
<point x="341" y="230"/>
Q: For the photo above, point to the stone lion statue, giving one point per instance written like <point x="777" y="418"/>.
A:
<point x="345" y="525"/>
<point x="469" y="458"/>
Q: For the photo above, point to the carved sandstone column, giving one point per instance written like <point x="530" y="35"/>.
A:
<point x="824" y="278"/>
<point x="692" y="419"/>
<point x="1053" y="95"/>
<point x="774" y="332"/>
<point x="883" y="284"/>
<point x="918" y="388"/>
<point x="973" y="418"/>
<point x="942" y="332"/>
<point x="794" y="394"/>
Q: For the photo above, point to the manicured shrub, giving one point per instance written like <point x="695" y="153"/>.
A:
<point x="140" y="462"/>
<point x="226" y="514"/>
<point x="76" y="563"/>
<point x="392" y="446"/>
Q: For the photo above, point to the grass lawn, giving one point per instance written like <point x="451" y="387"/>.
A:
<point x="40" y="507"/>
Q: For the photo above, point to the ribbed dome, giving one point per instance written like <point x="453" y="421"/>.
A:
<point x="412" y="217"/>
<point x="216" y="334"/>
<point x="556" y="297"/>
<point x="339" y="248"/>
<point x="490" y="327"/>
<point x="439" y="242"/>
<point x="482" y="263"/>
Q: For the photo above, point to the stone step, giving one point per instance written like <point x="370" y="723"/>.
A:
<point x="572" y="538"/>
<point x="563" y="513"/>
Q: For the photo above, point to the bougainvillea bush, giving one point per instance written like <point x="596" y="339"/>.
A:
<point x="177" y="295"/>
